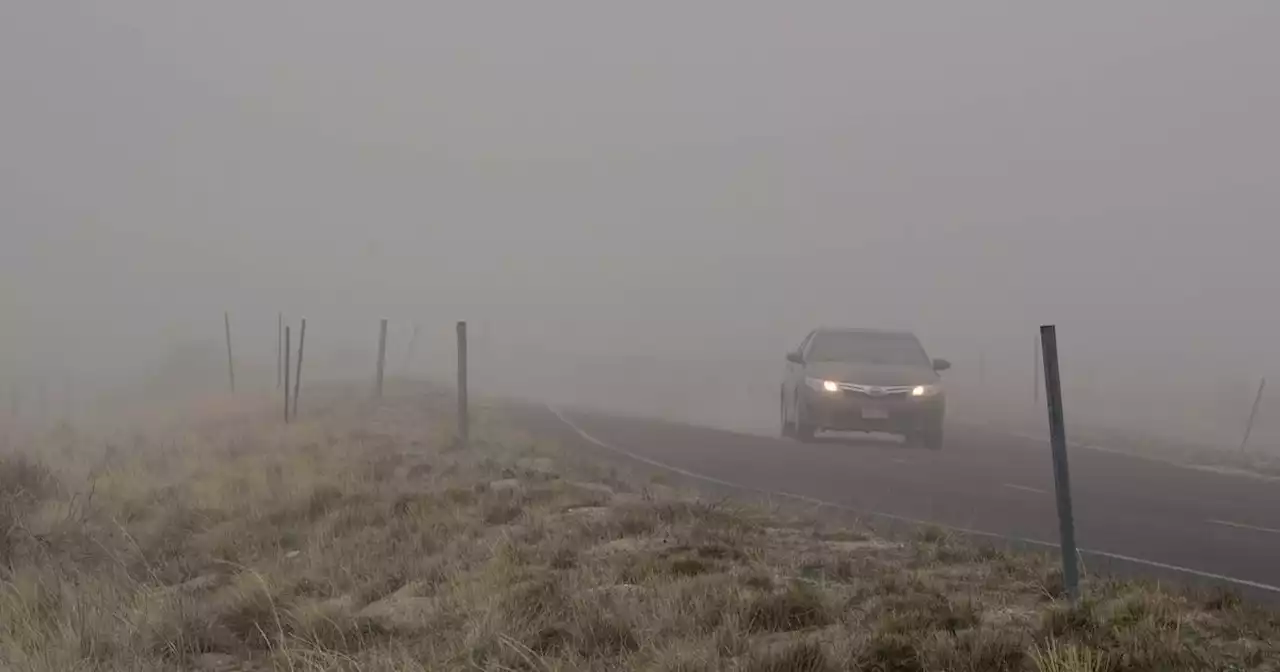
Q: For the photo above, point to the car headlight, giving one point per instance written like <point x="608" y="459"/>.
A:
<point x="822" y="385"/>
<point x="925" y="390"/>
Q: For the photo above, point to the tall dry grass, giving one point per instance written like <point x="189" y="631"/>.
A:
<point x="361" y="538"/>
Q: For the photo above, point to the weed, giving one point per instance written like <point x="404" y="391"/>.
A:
<point x="797" y="607"/>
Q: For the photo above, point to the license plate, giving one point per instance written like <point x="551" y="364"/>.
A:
<point x="875" y="414"/>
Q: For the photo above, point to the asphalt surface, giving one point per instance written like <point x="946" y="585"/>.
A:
<point x="1155" y="517"/>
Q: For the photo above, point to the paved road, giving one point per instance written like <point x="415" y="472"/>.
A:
<point x="1159" y="517"/>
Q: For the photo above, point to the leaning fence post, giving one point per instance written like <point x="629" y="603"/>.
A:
<point x="231" y="367"/>
<point x="297" y="374"/>
<point x="1253" y="413"/>
<point x="1061" y="474"/>
<point x="464" y="422"/>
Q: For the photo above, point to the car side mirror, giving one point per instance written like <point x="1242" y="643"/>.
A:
<point x="795" y="358"/>
<point x="941" y="365"/>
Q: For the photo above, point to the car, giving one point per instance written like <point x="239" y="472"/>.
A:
<point x="865" y="380"/>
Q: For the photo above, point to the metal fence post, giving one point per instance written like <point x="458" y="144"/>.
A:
<point x="1253" y="413"/>
<point x="382" y="355"/>
<point x="464" y="422"/>
<point x="1061" y="474"/>
<point x="297" y="374"/>
<point x="231" y="367"/>
<point x="287" y="348"/>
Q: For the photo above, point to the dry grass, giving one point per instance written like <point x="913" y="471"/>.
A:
<point x="362" y="539"/>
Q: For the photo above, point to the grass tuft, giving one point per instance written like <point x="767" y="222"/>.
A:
<point x="1057" y="656"/>
<point x="797" y="607"/>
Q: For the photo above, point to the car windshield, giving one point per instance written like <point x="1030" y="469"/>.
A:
<point x="867" y="347"/>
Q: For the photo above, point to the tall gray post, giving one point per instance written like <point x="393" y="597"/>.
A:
<point x="231" y="367"/>
<point x="1253" y="413"/>
<point x="464" y="421"/>
<point x="287" y="347"/>
<point x="297" y="374"/>
<point x="1061" y="474"/>
<point x="382" y="356"/>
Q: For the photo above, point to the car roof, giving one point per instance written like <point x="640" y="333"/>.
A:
<point x="867" y="331"/>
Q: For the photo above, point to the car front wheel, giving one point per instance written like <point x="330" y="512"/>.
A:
<point x="787" y="428"/>
<point x="803" y="430"/>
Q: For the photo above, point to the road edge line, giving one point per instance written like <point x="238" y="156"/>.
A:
<point x="995" y="428"/>
<point x="903" y="519"/>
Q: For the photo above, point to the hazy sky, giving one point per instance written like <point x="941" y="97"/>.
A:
<point x="658" y="176"/>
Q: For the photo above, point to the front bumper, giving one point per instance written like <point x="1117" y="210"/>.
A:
<point x="855" y="412"/>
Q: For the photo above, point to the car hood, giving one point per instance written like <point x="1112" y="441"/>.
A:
<point x="884" y="375"/>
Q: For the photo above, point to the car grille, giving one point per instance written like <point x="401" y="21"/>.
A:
<point x="876" y="391"/>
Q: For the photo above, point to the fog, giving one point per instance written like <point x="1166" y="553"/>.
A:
<point x="644" y="205"/>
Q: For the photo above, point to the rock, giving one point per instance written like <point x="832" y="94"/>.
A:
<point x="864" y="545"/>
<point x="402" y="613"/>
<point x="292" y="554"/>
<point x="594" y="488"/>
<point x="589" y="512"/>
<point x="504" y="485"/>
<point x="541" y="465"/>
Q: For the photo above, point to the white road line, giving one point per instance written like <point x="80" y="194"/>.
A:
<point x="1087" y="446"/>
<point x="1242" y="526"/>
<point x="1076" y="445"/>
<point x="1024" y="488"/>
<point x="915" y="521"/>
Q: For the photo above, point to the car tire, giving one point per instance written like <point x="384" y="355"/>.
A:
<point x="804" y="431"/>
<point x="787" y="429"/>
